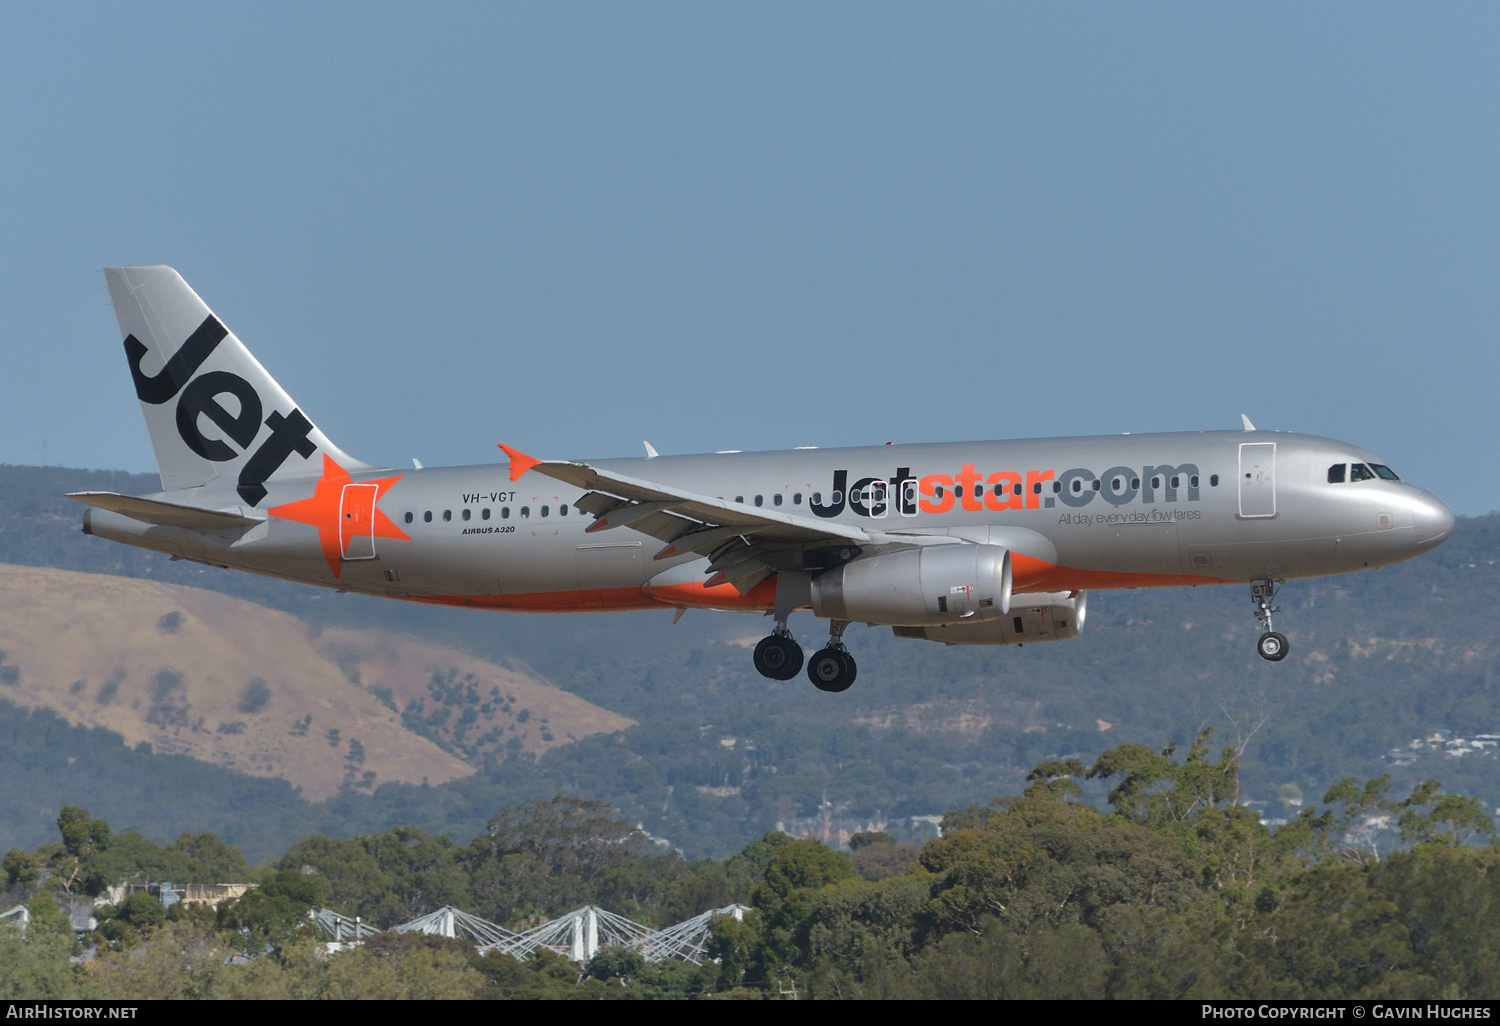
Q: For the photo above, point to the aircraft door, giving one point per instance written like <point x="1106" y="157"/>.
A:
<point x="357" y="521"/>
<point x="1257" y="479"/>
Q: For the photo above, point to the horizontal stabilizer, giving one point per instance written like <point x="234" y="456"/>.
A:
<point x="165" y="514"/>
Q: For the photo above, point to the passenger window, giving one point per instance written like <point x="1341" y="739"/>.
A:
<point x="937" y="490"/>
<point x="1077" y="486"/>
<point x="1336" y="473"/>
<point x="1175" y="479"/>
<point x="1036" y="488"/>
<point x="1135" y="482"/>
<point x="776" y="499"/>
<point x="838" y="497"/>
<point x="563" y="509"/>
<point x="1057" y="487"/>
<point x="467" y="514"/>
<point x="817" y="498"/>
<point x="1385" y="472"/>
<point x="409" y="517"/>
<point x="1213" y="481"/>
<point x="1017" y="489"/>
<point x="525" y="511"/>
<point x="504" y="512"/>
<point x="545" y="511"/>
<point x="760" y="500"/>
<point x="740" y="499"/>
<point x="1097" y="484"/>
<point x="447" y="515"/>
<point x="1156" y="482"/>
<point x="484" y="514"/>
<point x="1193" y="481"/>
<point x="427" y="517"/>
<point x="797" y="499"/>
<point x="1360" y="472"/>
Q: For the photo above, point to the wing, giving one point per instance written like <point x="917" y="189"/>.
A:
<point x="745" y="545"/>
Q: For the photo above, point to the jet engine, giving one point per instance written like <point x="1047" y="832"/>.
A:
<point x="934" y="584"/>
<point x="1055" y="616"/>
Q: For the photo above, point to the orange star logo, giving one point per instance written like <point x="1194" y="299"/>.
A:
<point x="343" y="511"/>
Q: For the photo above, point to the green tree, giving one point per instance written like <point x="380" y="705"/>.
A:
<point x="83" y="838"/>
<point x="39" y="965"/>
<point x="276" y="910"/>
<point x="21" y="868"/>
<point x="1430" y="817"/>
<point x="211" y="860"/>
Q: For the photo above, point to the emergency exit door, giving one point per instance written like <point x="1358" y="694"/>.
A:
<point x="357" y="521"/>
<point x="1257" y="479"/>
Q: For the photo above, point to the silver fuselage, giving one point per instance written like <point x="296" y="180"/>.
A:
<point x="1262" y="508"/>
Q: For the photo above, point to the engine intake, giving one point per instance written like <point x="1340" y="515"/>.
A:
<point x="1055" y="616"/>
<point x="934" y="584"/>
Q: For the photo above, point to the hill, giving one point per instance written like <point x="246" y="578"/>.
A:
<point x="251" y="689"/>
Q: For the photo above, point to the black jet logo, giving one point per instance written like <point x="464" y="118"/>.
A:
<point x="201" y="396"/>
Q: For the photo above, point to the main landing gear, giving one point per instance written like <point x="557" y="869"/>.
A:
<point x="831" y="668"/>
<point x="778" y="656"/>
<point x="1272" y="646"/>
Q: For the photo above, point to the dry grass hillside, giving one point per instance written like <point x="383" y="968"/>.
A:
<point x="255" y="690"/>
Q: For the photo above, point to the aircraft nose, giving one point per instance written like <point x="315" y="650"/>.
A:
<point x="1432" y="519"/>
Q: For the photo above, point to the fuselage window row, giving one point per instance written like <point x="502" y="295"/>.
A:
<point x="1361" y="472"/>
<point x="484" y="514"/>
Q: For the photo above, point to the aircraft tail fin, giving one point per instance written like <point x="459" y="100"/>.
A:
<point x="217" y="420"/>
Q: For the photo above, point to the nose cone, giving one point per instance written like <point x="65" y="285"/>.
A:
<point x="1432" y="519"/>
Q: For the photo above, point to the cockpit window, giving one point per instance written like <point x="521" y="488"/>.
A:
<point x="1385" y="472"/>
<point x="1336" y="473"/>
<point x="1360" y="472"/>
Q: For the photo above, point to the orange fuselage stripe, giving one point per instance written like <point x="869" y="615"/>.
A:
<point x="1028" y="575"/>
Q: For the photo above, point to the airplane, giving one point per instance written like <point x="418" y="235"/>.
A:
<point x="963" y="543"/>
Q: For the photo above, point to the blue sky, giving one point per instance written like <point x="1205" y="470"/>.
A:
<point x="572" y="227"/>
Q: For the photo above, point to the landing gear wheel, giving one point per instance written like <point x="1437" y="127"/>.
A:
<point x="778" y="657"/>
<point x="1272" y="646"/>
<point x="831" y="670"/>
<point x="850" y="670"/>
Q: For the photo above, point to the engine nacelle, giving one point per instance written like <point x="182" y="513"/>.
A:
<point x="934" y="584"/>
<point x="1057" y="616"/>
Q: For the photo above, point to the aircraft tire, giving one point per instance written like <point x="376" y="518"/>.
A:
<point x="850" y="669"/>
<point x="778" y="658"/>
<point x="831" y="670"/>
<point x="1272" y="646"/>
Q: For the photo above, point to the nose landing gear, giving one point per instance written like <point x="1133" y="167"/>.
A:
<point x="832" y="668"/>
<point x="1272" y="645"/>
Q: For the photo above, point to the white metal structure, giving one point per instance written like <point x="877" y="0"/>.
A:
<point x="687" y="940"/>
<point x="20" y="916"/>
<point x="453" y="922"/>
<point x="341" y="929"/>
<point x="579" y="935"/>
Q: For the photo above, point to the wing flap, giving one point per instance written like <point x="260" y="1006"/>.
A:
<point x="706" y="509"/>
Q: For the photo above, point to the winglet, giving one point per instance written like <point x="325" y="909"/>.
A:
<point x="519" y="461"/>
<point x="1248" y="426"/>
